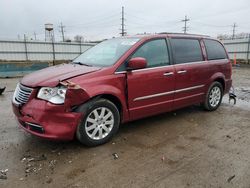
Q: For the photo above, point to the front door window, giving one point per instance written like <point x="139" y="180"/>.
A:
<point x="155" y="52"/>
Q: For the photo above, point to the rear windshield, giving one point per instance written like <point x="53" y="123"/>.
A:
<point x="106" y="53"/>
<point x="215" y="50"/>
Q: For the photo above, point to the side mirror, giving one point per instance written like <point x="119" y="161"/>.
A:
<point x="137" y="63"/>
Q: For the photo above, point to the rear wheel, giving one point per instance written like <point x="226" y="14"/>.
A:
<point x="214" y="96"/>
<point x="100" y="122"/>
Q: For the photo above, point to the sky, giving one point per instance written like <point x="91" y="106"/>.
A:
<point x="100" y="19"/>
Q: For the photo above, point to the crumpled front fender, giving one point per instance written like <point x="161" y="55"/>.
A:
<point x="75" y="95"/>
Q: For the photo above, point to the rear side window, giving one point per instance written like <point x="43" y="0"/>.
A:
<point x="186" y="50"/>
<point x="215" y="50"/>
<point x="155" y="52"/>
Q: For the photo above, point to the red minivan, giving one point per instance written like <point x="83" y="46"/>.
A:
<point x="120" y="80"/>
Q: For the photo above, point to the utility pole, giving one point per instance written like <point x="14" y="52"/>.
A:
<point x="123" y="25"/>
<point x="35" y="35"/>
<point x="234" y="26"/>
<point x="80" y="42"/>
<point x="248" y="48"/>
<point x="25" y="47"/>
<point x="62" y="30"/>
<point x="53" y="47"/>
<point x="185" y="24"/>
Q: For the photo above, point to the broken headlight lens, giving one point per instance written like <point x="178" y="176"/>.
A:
<point x="55" y="95"/>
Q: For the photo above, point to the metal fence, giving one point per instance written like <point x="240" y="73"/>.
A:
<point x="14" y="50"/>
<point x="239" y="48"/>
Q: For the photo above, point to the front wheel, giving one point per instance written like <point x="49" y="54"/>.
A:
<point x="214" y="96"/>
<point x="100" y="122"/>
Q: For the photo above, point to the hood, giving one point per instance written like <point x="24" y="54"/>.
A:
<point x="51" y="76"/>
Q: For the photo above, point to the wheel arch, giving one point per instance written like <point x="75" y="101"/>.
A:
<point x="218" y="77"/>
<point x="221" y="81"/>
<point x="114" y="99"/>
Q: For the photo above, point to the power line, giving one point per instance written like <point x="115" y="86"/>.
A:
<point x="222" y="13"/>
<point x="210" y="25"/>
<point x="123" y="25"/>
<point x="62" y="30"/>
<point x="106" y="19"/>
<point x="143" y="22"/>
<point x="104" y="23"/>
<point x="185" y="24"/>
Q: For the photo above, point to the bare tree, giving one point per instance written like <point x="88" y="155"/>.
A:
<point x="78" y="38"/>
<point x="237" y="36"/>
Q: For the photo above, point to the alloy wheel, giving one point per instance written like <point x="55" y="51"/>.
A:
<point x="215" y="96"/>
<point x="99" y="123"/>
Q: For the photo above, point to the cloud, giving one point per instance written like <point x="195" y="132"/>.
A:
<point x="98" y="19"/>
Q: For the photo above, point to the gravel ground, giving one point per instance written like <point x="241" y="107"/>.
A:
<point x="186" y="148"/>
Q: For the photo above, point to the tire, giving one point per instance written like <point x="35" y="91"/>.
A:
<point x="100" y="122"/>
<point x="213" y="96"/>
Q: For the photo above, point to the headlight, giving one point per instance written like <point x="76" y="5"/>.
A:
<point x="54" y="95"/>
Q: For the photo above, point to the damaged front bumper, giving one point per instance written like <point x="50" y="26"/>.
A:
<point x="47" y="120"/>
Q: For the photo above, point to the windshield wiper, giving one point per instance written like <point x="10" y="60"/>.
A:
<point x="80" y="63"/>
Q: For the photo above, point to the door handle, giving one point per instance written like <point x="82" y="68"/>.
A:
<point x="181" y="71"/>
<point x="168" y="73"/>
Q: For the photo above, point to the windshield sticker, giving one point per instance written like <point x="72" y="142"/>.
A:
<point x="130" y="43"/>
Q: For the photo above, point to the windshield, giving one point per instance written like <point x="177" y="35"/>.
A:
<point x="106" y="53"/>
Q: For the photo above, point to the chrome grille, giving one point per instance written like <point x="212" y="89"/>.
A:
<point x="22" y="94"/>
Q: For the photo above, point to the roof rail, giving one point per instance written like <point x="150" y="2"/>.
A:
<point x="184" y="34"/>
